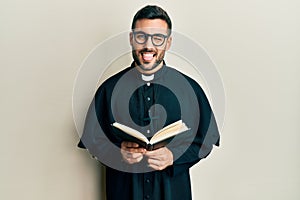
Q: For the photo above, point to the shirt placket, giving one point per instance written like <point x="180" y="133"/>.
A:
<point x="148" y="185"/>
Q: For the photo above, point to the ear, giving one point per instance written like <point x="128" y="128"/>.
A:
<point x="169" y="42"/>
<point x="131" y="38"/>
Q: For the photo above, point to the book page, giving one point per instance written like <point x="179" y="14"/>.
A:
<point x="169" y="131"/>
<point x="175" y="124"/>
<point x="131" y="132"/>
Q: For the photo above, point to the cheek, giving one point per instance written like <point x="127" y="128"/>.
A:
<point x="161" y="54"/>
<point x="136" y="47"/>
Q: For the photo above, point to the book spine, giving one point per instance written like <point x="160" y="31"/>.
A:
<point x="150" y="147"/>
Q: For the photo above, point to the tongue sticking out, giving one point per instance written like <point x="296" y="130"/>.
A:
<point x="148" y="56"/>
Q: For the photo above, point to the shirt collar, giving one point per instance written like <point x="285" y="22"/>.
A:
<point x="154" y="76"/>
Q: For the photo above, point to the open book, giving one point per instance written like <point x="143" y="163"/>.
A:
<point x="158" y="140"/>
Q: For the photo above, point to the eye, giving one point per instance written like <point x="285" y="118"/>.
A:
<point x="158" y="38"/>
<point x="140" y="36"/>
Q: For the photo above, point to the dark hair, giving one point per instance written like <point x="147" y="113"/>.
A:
<point x="152" y="12"/>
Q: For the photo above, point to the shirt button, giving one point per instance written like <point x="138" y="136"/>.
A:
<point x="148" y="98"/>
<point x="148" y="131"/>
<point x="148" y="84"/>
<point x="147" y="180"/>
<point x="147" y="197"/>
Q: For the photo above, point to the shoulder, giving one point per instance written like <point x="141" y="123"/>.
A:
<point x="201" y="95"/>
<point x="110" y="82"/>
<point x="193" y="83"/>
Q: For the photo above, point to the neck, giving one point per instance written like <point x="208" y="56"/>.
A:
<point x="149" y="72"/>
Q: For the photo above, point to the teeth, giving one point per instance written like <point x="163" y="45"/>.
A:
<point x="148" y="56"/>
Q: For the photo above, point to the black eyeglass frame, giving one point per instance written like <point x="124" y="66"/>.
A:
<point x="150" y="35"/>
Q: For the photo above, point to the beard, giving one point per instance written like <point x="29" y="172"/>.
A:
<point x="158" y="59"/>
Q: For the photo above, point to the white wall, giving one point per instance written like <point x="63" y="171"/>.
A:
<point x="255" y="45"/>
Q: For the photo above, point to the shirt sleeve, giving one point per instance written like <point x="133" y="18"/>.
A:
<point x="200" y="144"/>
<point x="96" y="138"/>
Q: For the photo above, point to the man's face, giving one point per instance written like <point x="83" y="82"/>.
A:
<point x="149" y="41"/>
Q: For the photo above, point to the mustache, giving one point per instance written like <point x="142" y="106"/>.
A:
<point x="146" y="50"/>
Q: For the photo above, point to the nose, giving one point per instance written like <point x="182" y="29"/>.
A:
<point x="148" y="43"/>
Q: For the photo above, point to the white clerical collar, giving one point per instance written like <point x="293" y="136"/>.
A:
<point x="148" y="78"/>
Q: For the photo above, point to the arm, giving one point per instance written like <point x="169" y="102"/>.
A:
<point x="99" y="139"/>
<point x="204" y="138"/>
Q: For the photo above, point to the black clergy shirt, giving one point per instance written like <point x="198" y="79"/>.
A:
<point x="148" y="106"/>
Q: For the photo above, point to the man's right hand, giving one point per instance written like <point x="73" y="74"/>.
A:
<point x="131" y="152"/>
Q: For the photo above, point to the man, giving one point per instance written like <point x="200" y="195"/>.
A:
<point x="147" y="96"/>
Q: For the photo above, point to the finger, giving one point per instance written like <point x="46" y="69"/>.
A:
<point x="161" y="160"/>
<point x="124" y="153"/>
<point x="156" y="162"/>
<point x="156" y="165"/>
<point x="136" y="150"/>
<point x="132" y="158"/>
<point x="132" y="147"/>
<point x="155" y="153"/>
<point x="127" y="144"/>
<point x="128" y="154"/>
<point x="152" y="161"/>
<point x="158" y="168"/>
<point x="135" y="155"/>
<point x="131" y="144"/>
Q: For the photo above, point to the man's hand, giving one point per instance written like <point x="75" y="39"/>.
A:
<point x="131" y="152"/>
<point x="160" y="158"/>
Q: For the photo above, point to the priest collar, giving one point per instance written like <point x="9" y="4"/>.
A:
<point x="147" y="77"/>
<point x="151" y="77"/>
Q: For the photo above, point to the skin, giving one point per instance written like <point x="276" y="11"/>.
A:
<point x="150" y="26"/>
<point x="160" y="158"/>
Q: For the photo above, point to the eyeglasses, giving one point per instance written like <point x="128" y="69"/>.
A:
<point x="157" y="39"/>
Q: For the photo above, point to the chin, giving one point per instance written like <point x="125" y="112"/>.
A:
<point x="149" y="66"/>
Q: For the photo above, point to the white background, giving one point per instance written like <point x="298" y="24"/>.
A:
<point x="255" y="45"/>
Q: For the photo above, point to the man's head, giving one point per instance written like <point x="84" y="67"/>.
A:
<point x="152" y="12"/>
<point x="150" y="38"/>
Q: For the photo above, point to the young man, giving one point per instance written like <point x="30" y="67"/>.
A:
<point x="148" y="96"/>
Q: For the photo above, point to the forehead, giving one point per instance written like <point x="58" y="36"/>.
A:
<point x="151" y="26"/>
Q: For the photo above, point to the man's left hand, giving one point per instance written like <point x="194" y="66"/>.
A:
<point x="160" y="158"/>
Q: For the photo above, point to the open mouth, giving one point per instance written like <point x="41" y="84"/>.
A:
<point x="148" y="56"/>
